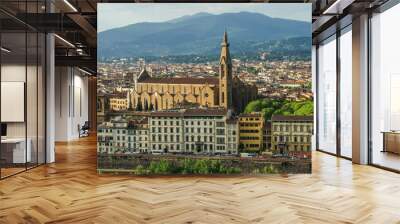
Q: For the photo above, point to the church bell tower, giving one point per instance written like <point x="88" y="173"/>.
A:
<point x="225" y="75"/>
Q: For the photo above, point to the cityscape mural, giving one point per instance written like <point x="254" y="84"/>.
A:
<point x="204" y="89"/>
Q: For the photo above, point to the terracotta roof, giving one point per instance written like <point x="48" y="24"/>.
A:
<point x="231" y="121"/>
<point x="166" y="114"/>
<point x="291" y="118"/>
<point x="144" y="121"/>
<point x="117" y="95"/>
<point x="185" y="80"/>
<point x="253" y="114"/>
<point x="190" y="112"/>
<point x="205" y="112"/>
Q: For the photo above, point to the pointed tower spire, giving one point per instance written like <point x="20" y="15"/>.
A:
<point x="225" y="55"/>
<point x="225" y="75"/>
<point x="226" y="38"/>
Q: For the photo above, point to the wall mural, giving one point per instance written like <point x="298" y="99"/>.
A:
<point x="204" y="89"/>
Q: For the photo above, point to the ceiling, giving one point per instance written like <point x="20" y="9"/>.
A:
<point x="329" y="15"/>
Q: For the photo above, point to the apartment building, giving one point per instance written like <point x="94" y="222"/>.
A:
<point x="291" y="133"/>
<point x="251" y="128"/>
<point x="105" y="138"/>
<point x="194" y="131"/>
<point x="267" y="133"/>
<point x="166" y="132"/>
<point x="119" y="102"/>
<point x="142" y="134"/>
<point x="121" y="136"/>
<point x="113" y="137"/>
<point x="232" y="129"/>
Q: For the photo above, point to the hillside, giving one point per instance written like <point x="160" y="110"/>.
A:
<point x="200" y="34"/>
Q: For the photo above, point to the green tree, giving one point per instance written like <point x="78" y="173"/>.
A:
<point x="283" y="107"/>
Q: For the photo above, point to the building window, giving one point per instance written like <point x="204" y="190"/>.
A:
<point x="220" y="140"/>
<point x="220" y="131"/>
<point x="220" y="124"/>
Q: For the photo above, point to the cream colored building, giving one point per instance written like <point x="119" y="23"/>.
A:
<point x="123" y="137"/>
<point x="112" y="137"/>
<point x="193" y="131"/>
<point x="291" y="133"/>
<point x="196" y="131"/>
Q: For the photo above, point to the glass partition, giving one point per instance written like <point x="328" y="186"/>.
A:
<point x="31" y="98"/>
<point x="327" y="95"/>
<point x="22" y="91"/>
<point x="385" y="89"/>
<point x="13" y="94"/>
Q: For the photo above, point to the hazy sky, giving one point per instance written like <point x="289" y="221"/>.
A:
<point x="112" y="15"/>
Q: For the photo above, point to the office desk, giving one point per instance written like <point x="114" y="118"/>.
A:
<point x="391" y="141"/>
<point x="13" y="150"/>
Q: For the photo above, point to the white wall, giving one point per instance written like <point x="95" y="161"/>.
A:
<point x="71" y="102"/>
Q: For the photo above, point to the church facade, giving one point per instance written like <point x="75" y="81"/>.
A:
<point x="226" y="91"/>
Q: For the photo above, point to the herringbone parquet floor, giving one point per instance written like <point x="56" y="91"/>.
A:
<point x="70" y="191"/>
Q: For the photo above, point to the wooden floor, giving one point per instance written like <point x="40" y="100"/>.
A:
<point x="70" y="191"/>
<point x="5" y="172"/>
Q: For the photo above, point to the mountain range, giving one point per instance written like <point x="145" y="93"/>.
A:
<point x="201" y="34"/>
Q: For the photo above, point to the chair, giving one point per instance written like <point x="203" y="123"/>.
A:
<point x="84" y="130"/>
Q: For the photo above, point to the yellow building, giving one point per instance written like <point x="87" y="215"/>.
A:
<point x="251" y="127"/>
<point x="168" y="93"/>
<point x="118" y="103"/>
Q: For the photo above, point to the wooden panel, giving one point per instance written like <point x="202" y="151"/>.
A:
<point x="92" y="99"/>
<point x="392" y="142"/>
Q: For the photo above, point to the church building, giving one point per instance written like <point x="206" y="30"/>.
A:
<point x="226" y="91"/>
